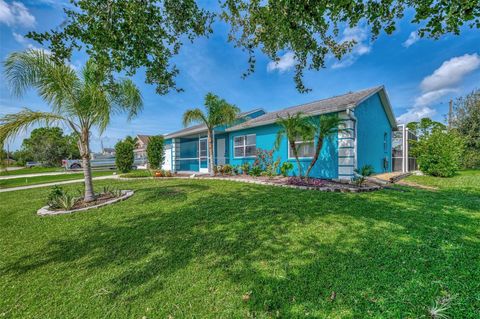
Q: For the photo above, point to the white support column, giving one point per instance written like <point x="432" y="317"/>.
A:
<point x="405" y="152"/>
<point x="347" y="146"/>
<point x="175" y="154"/>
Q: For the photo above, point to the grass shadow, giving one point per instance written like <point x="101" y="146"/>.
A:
<point x="289" y="251"/>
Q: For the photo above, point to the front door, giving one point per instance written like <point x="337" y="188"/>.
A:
<point x="221" y="151"/>
<point x="167" y="163"/>
<point x="202" y="155"/>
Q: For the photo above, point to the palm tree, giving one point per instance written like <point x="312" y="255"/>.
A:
<point x="80" y="101"/>
<point x="294" y="127"/>
<point x="218" y="112"/>
<point x="322" y="127"/>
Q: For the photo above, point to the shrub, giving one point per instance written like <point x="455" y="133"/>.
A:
<point x="362" y="174"/>
<point x="255" y="171"/>
<point x="265" y="161"/>
<point x="155" y="150"/>
<point x="227" y="169"/>
<point x="440" y="153"/>
<point x="60" y="199"/>
<point x="124" y="157"/>
<point x="112" y="191"/>
<point x="138" y="174"/>
<point x="286" y="168"/>
<point x="471" y="159"/>
<point x="55" y="192"/>
<point x="245" y="168"/>
<point x="236" y="169"/>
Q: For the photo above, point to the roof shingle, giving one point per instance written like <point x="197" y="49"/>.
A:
<point x="202" y="127"/>
<point x="329" y="105"/>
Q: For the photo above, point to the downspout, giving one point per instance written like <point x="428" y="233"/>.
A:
<point x="351" y="115"/>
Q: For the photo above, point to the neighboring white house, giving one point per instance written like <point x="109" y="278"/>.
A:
<point x="141" y="149"/>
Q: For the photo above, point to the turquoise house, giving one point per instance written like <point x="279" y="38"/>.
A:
<point x="368" y="122"/>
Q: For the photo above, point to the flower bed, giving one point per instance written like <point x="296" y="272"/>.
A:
<point x="101" y="200"/>
<point x="325" y="185"/>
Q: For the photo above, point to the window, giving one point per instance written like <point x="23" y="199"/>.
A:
<point x="304" y="149"/>
<point x="245" y="145"/>
<point x="203" y="148"/>
<point x="385" y="136"/>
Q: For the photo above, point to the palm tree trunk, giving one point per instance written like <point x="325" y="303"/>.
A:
<point x="318" y="149"/>
<point x="295" y="153"/>
<point x="87" y="169"/>
<point x="210" y="154"/>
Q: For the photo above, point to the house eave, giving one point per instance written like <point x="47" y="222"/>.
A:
<point x="268" y="122"/>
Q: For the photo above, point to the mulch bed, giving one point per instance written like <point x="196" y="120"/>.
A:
<point x="326" y="185"/>
<point x="101" y="198"/>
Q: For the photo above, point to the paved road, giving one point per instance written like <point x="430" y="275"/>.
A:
<point x="11" y="168"/>
<point x="4" y="190"/>
<point x="39" y="174"/>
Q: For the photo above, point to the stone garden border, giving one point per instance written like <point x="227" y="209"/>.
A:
<point x="346" y="188"/>
<point x="45" y="211"/>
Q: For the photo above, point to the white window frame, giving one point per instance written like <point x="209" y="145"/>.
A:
<point x="291" y="156"/>
<point x="244" y="146"/>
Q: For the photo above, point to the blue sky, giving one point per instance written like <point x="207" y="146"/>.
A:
<point x="421" y="75"/>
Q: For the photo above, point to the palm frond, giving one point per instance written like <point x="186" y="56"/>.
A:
<point x="22" y="69"/>
<point x="219" y="111"/>
<point x="295" y="126"/>
<point x="12" y="124"/>
<point x="325" y="125"/>
<point x="128" y="97"/>
<point x="278" y="138"/>
<point x="55" y="82"/>
<point x="194" y="116"/>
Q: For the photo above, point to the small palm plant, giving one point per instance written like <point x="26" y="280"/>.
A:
<point x="322" y="127"/>
<point x="294" y="127"/>
<point x="362" y="174"/>
<point x="218" y="112"/>
<point x="80" y="101"/>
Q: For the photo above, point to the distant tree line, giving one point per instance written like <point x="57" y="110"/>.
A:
<point x="46" y="145"/>
<point x="442" y="150"/>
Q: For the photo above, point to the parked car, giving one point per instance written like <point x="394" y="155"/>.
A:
<point x="104" y="163"/>
<point x="33" y="164"/>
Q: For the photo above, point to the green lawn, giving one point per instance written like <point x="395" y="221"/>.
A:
<point x="32" y="170"/>
<point x="465" y="179"/>
<point x="24" y="181"/>
<point x="218" y="249"/>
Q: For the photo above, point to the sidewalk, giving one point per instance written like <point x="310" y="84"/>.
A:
<point x="4" y="190"/>
<point x="39" y="174"/>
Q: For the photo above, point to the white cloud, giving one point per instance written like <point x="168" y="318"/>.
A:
<point x="15" y="14"/>
<point x="412" y="38"/>
<point x="430" y="97"/>
<point x="24" y="42"/>
<point x="451" y="72"/>
<point x="19" y="38"/>
<point x="415" y="114"/>
<point x="285" y="63"/>
<point x="441" y="82"/>
<point x="362" y="46"/>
